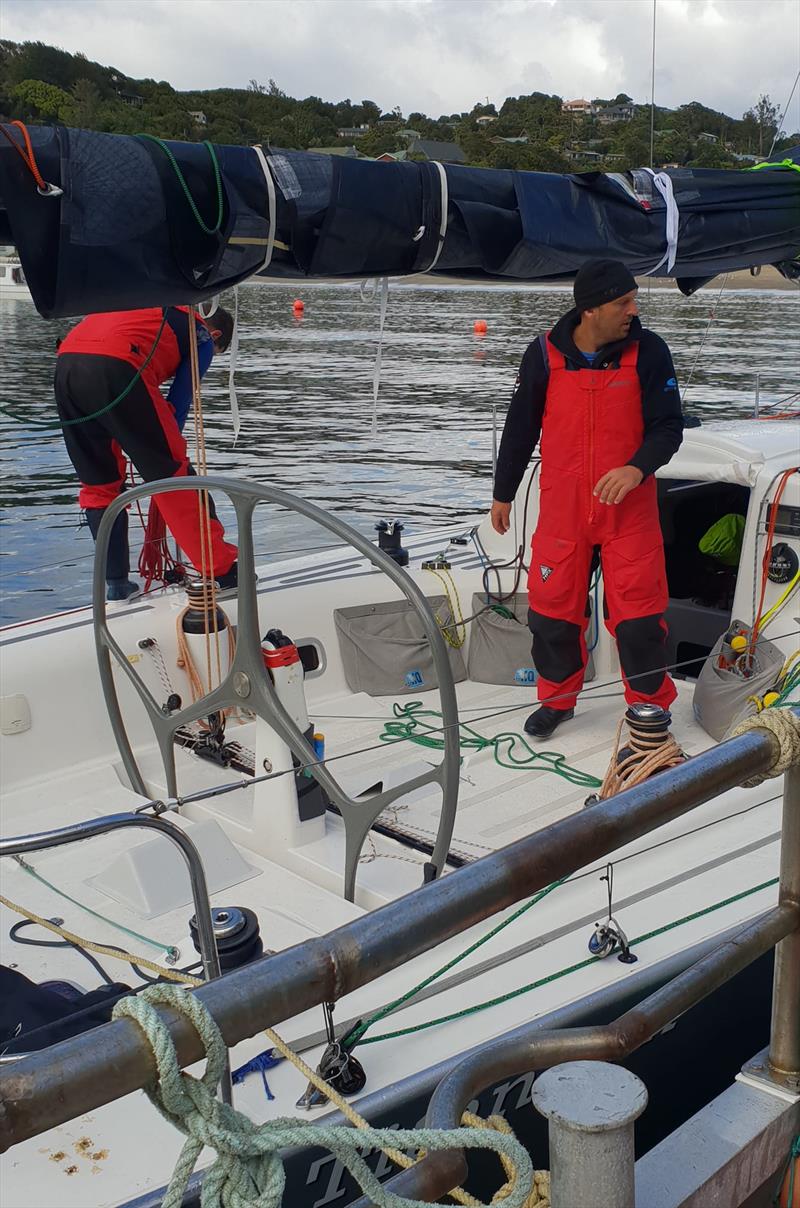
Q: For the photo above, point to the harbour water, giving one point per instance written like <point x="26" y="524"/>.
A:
<point x="305" y="390"/>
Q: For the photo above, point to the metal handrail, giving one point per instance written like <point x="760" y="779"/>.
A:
<point x="49" y="1088"/>
<point x="438" y="1173"/>
<point x="246" y="682"/>
<point x="530" y="1050"/>
<point x="91" y="828"/>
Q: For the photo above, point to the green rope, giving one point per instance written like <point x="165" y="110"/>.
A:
<point x="791" y="1166"/>
<point x="781" y="163"/>
<point x="84" y="419"/>
<point x="207" y="230"/>
<point x="355" y="1035"/>
<point x="543" y="981"/>
<point x="410" y="726"/>
<point x="31" y="871"/>
<point x="248" y="1169"/>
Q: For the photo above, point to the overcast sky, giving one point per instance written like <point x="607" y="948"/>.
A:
<point x="439" y="56"/>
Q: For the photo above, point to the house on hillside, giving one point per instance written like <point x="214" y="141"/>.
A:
<point x="705" y="137"/>
<point x="582" y="157"/>
<point x="392" y="157"/>
<point x="616" y="113"/>
<point x="198" y="117"/>
<point x="353" y="131"/>
<point x="130" y="98"/>
<point x="409" y="135"/>
<point x="485" y="120"/>
<point x="579" y="108"/>
<point x="520" y="138"/>
<point x="443" y="153"/>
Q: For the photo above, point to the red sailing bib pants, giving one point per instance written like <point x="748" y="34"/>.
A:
<point x="142" y="425"/>
<point x="593" y="423"/>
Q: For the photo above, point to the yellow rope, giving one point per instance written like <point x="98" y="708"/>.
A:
<point x="540" y="1192"/>
<point x="455" y="632"/>
<point x="399" y="1158"/>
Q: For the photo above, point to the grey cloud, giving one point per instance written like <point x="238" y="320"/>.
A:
<point x="438" y="55"/>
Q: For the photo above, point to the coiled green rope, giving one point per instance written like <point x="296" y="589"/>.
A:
<point x="411" y="726"/>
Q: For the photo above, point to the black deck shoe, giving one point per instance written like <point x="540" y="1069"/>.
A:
<point x="230" y="580"/>
<point x="122" y="591"/>
<point x="545" y="720"/>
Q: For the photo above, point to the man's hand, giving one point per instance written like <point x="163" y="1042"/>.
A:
<point x="616" y="484"/>
<point x="501" y="516"/>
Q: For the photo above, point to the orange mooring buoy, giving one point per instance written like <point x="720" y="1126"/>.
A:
<point x="480" y="327"/>
<point x="298" y="306"/>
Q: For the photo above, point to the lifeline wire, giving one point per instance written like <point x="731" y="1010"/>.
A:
<point x="223" y="789"/>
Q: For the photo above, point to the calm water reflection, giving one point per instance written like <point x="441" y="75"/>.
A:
<point x="305" y="392"/>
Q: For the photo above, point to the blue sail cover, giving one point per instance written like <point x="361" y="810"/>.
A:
<point x="126" y="231"/>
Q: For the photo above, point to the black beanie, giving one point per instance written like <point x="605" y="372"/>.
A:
<point x="600" y="281"/>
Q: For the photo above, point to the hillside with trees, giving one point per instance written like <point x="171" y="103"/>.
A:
<point x="40" y="83"/>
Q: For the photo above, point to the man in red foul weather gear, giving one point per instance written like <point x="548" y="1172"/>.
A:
<point x="123" y="358"/>
<point x="601" y="390"/>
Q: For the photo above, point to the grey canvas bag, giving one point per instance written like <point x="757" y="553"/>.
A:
<point x="721" y="694"/>
<point x="385" y="651"/>
<point x="499" y="648"/>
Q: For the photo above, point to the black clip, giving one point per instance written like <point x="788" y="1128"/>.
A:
<point x="337" y="1066"/>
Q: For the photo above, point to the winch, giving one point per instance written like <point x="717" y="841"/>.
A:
<point x="237" y="935"/>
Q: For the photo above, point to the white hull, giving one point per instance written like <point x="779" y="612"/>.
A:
<point x="66" y="767"/>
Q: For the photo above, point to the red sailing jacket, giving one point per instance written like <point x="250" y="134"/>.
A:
<point x="129" y="336"/>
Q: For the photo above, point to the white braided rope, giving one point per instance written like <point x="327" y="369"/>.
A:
<point x="785" y="725"/>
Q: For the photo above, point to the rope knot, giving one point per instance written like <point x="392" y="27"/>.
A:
<point x="785" y="725"/>
<point x="248" y="1171"/>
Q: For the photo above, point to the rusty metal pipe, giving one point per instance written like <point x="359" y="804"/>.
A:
<point x="81" y="1074"/>
<point x="784" y="1047"/>
<point x="521" y="1054"/>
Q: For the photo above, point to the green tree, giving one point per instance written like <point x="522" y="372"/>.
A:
<point x="85" y="105"/>
<point x="46" y="100"/>
<point x="764" y="117"/>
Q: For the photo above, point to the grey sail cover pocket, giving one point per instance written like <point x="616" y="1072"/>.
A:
<point x="385" y="651"/>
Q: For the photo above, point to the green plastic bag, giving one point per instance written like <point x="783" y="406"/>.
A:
<point x="723" y="540"/>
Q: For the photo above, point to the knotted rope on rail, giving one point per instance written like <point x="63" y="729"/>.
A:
<point x="247" y="1171"/>
<point x="785" y="725"/>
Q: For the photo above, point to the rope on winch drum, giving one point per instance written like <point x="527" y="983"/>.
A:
<point x="648" y="755"/>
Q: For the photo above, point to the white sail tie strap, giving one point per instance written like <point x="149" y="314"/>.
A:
<point x="664" y="185"/>
<point x="443" y="218"/>
<point x="235" y="416"/>
<point x="272" y="205"/>
<point x="376" y="369"/>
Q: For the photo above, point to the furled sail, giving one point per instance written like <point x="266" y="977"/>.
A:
<point x="131" y="221"/>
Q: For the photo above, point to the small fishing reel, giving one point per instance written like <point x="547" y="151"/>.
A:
<point x="605" y="940"/>
<point x="609" y="936"/>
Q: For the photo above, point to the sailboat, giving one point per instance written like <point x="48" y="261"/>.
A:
<point x="367" y="783"/>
